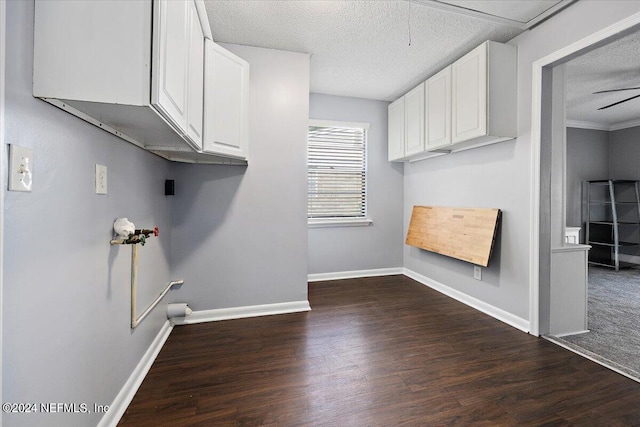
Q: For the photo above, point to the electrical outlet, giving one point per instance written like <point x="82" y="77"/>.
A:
<point x="477" y="272"/>
<point x="101" y="179"/>
<point x="20" y="168"/>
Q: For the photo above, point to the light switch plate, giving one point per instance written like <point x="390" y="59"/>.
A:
<point x="477" y="272"/>
<point x="20" y="168"/>
<point x="101" y="179"/>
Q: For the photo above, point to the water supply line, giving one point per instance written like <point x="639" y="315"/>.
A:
<point x="128" y="235"/>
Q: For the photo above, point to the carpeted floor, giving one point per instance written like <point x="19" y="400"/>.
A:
<point x="614" y="320"/>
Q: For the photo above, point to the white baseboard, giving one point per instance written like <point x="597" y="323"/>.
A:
<point x="570" y="333"/>
<point x="319" y="277"/>
<point x="128" y="391"/>
<point x="242" y="312"/>
<point x="504" y="316"/>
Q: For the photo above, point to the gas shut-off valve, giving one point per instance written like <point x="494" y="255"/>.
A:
<point x="127" y="234"/>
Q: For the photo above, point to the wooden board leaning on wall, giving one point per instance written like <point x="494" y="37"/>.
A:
<point x="463" y="233"/>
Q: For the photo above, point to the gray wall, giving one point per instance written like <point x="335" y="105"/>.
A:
<point x="500" y="175"/>
<point x="3" y="8"/>
<point x="625" y="154"/>
<point x="596" y="154"/>
<point x="66" y="290"/>
<point x="489" y="177"/>
<point x="240" y="234"/>
<point x="624" y="163"/>
<point x="339" y="249"/>
<point x="587" y="159"/>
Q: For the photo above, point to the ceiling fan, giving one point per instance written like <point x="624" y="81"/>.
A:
<point x="617" y="90"/>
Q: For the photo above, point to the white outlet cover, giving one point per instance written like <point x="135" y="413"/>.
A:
<point x="477" y="272"/>
<point x="101" y="179"/>
<point x="20" y="168"/>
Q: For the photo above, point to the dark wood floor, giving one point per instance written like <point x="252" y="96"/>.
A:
<point x="376" y="352"/>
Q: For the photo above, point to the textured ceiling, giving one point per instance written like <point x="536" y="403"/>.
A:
<point x="615" y="65"/>
<point x="359" y="48"/>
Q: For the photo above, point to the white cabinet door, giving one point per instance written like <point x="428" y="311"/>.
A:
<point x="95" y="51"/>
<point x="414" y="121"/>
<point x="469" y="87"/>
<point x="438" y="110"/>
<point x="170" y="61"/>
<point x="226" y="102"/>
<point x="195" y="94"/>
<point x="396" y="130"/>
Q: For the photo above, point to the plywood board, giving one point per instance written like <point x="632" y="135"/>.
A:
<point x="463" y="233"/>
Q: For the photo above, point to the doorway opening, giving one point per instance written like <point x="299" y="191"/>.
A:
<point x="554" y="185"/>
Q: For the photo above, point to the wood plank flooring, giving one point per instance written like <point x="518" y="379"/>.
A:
<point x="376" y="352"/>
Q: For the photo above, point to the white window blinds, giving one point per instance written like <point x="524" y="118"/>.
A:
<point x="337" y="171"/>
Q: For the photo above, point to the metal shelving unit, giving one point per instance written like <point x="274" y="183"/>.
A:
<point x="613" y="220"/>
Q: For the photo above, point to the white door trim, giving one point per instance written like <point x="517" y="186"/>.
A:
<point x="536" y="120"/>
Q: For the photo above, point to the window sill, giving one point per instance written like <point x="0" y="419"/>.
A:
<point x="347" y="222"/>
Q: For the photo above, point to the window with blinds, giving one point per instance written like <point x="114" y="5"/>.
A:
<point x="337" y="174"/>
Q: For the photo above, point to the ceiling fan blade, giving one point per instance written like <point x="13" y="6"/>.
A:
<point x="616" y="90"/>
<point x="619" y="102"/>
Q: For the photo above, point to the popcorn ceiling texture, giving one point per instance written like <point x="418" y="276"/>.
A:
<point x="615" y="65"/>
<point x="358" y="48"/>
<point x="361" y="48"/>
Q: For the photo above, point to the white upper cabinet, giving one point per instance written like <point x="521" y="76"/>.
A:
<point x="414" y="120"/>
<point x="470" y="95"/>
<point x="171" y="61"/>
<point x="133" y="68"/>
<point x="406" y="130"/>
<point x="227" y="102"/>
<point x="113" y="65"/>
<point x="178" y="89"/>
<point x="469" y="104"/>
<point x="438" y="110"/>
<point x="195" y="106"/>
<point x="396" y="130"/>
<point x="484" y="96"/>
